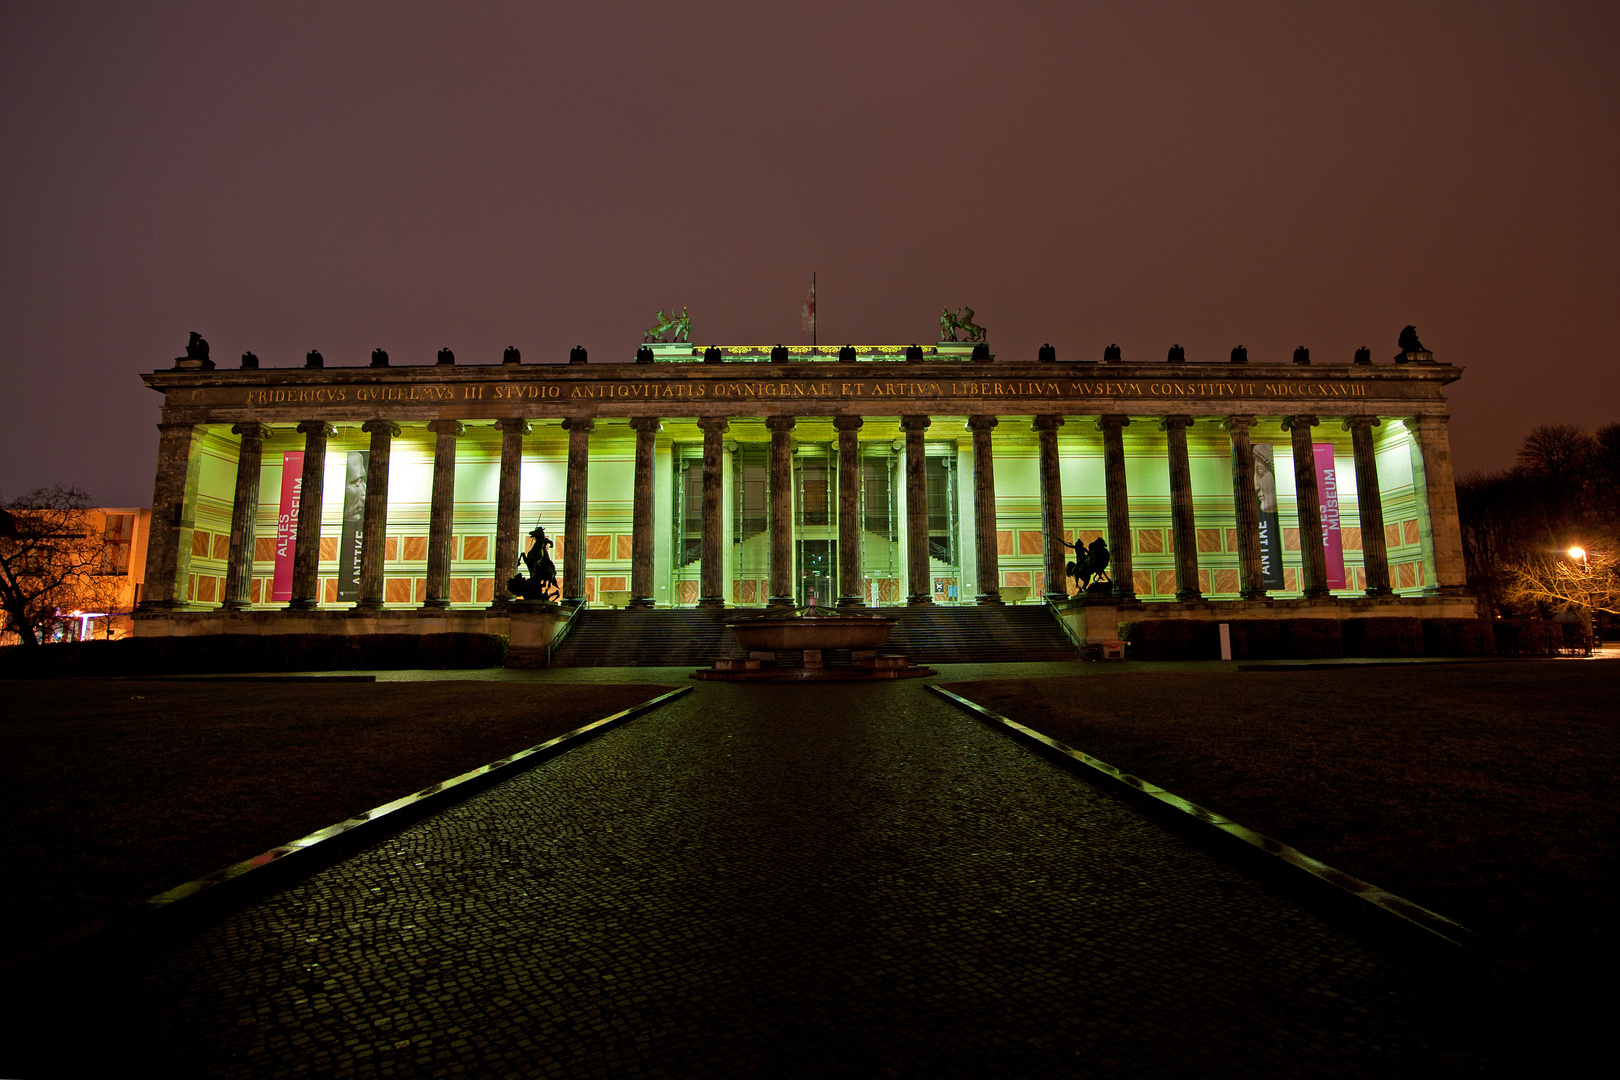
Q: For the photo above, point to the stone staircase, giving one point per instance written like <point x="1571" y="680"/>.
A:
<point x="695" y="637"/>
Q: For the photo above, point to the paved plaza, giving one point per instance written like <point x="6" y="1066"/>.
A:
<point x="838" y="880"/>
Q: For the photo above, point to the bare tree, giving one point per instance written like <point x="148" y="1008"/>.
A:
<point x="52" y="554"/>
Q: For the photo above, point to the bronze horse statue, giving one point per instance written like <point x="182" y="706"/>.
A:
<point x="541" y="584"/>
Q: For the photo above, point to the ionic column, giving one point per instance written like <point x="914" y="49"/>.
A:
<point x="781" y="428"/>
<point x="711" y="574"/>
<point x="374" y="525"/>
<point x="442" y="511"/>
<point x="1246" y="509"/>
<point x="984" y="510"/>
<point x="1182" y="531"/>
<point x="1437" y="514"/>
<point x="579" y="456"/>
<point x="1370" y="503"/>
<point x="174" y="509"/>
<point x="307" y="547"/>
<point x="1052" y="506"/>
<point x="244" y="515"/>
<point x="849" y="511"/>
<point x="1113" y="427"/>
<point x="1313" y="560"/>
<point x="919" y="587"/>
<point x="641" y="513"/>
<point x="508" y="505"/>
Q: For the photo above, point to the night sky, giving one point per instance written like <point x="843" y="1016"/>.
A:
<point x="284" y="177"/>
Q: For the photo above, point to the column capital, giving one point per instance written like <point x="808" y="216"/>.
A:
<point x="586" y="424"/>
<point x="780" y="423"/>
<point x="717" y="424"/>
<point x="848" y="423"/>
<point x="1357" y="423"/>
<point x="915" y="423"/>
<point x="1047" y="423"/>
<point x="1300" y="420"/>
<point x="1238" y="423"/>
<point x="251" y="429"/>
<point x="371" y="427"/>
<point x="1180" y="420"/>
<point x="982" y="422"/>
<point x="511" y="424"/>
<point x="1113" y="422"/>
<point x="447" y="427"/>
<point x="646" y="424"/>
<point x="317" y="427"/>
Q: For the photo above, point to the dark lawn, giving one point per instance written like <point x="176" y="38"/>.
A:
<point x="113" y="791"/>
<point x="1487" y="792"/>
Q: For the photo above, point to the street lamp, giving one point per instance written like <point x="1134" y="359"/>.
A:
<point x="1586" y="599"/>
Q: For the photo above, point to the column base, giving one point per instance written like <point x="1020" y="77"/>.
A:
<point x="990" y="598"/>
<point x="1126" y="596"/>
<point x="780" y="602"/>
<point x="639" y="602"/>
<point x="711" y="602"/>
<point x="1318" y="594"/>
<point x="300" y="605"/>
<point x="1189" y="596"/>
<point x="1380" y="590"/>
<point x="1253" y="594"/>
<point x="850" y="601"/>
<point x="367" y="607"/>
<point x="919" y="600"/>
<point x="234" y="605"/>
<point x="1055" y="597"/>
<point x="433" y="604"/>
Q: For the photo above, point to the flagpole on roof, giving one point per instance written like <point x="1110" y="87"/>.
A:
<point x="814" y="314"/>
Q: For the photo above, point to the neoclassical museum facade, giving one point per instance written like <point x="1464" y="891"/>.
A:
<point x="365" y="498"/>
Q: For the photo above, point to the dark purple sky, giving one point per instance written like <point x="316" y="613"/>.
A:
<point x="284" y="177"/>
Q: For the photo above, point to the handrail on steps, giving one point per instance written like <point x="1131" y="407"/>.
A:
<point x="562" y="631"/>
<point x="1068" y="631"/>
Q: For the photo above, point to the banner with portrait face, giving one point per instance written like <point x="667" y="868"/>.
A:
<point x="354" y="512"/>
<point x="292" y="482"/>
<point x="1265" y="490"/>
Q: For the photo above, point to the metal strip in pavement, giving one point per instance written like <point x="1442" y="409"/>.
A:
<point x="1390" y="911"/>
<point x="287" y="862"/>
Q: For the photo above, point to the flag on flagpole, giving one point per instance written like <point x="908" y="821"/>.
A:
<point x="809" y="314"/>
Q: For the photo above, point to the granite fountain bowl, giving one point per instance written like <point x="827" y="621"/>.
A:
<point x="813" y="632"/>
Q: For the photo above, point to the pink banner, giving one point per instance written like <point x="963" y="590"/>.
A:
<point x="1327" y="487"/>
<point x="292" y="482"/>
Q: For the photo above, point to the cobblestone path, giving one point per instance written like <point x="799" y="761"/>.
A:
<point x="770" y="880"/>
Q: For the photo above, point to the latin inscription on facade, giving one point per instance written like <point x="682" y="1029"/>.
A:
<point x="582" y="391"/>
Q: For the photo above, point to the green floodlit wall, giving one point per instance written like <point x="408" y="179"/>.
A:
<point x="1018" y="511"/>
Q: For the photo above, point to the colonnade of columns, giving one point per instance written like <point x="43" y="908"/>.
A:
<point x="174" y="500"/>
